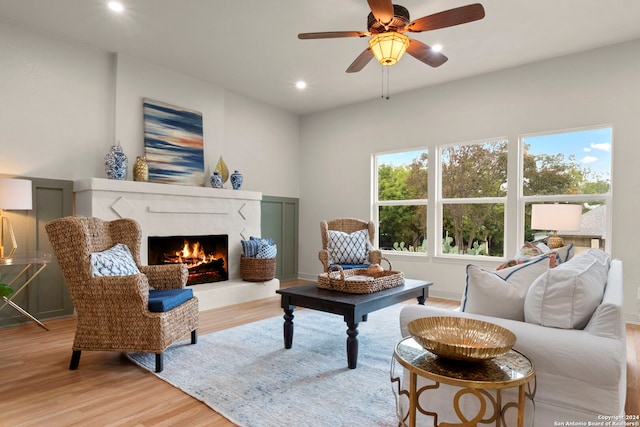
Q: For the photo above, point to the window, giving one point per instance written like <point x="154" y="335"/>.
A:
<point x="569" y="167"/>
<point x="401" y="200"/>
<point x="473" y="188"/>
<point x="472" y="197"/>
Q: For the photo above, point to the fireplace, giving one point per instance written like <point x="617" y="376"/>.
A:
<point x="182" y="210"/>
<point x="205" y="256"/>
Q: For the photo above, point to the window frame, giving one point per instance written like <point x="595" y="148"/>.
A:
<point x="377" y="203"/>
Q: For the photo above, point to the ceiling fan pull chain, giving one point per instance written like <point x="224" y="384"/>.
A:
<point x="388" y="72"/>
<point x="383" y="68"/>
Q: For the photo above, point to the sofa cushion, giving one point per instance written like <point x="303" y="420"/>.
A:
<point x="161" y="300"/>
<point x="347" y="248"/>
<point x="501" y="293"/>
<point x="115" y="261"/>
<point x="566" y="296"/>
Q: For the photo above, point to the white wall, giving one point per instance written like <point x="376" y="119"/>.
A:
<point x="264" y="143"/>
<point x="56" y="106"/>
<point x="63" y="105"/>
<point x="592" y="88"/>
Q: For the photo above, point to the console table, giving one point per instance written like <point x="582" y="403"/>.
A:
<point x="33" y="263"/>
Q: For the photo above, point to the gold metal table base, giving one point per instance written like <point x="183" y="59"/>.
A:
<point x="478" y="384"/>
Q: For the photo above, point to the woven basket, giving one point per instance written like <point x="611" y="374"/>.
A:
<point x="360" y="280"/>
<point x="257" y="269"/>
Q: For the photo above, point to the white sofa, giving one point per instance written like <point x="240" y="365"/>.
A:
<point x="580" y="373"/>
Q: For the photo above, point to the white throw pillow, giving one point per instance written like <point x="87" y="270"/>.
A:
<point x="347" y="248"/>
<point x="115" y="261"/>
<point x="501" y="293"/>
<point x="566" y="296"/>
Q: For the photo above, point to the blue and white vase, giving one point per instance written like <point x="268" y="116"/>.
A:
<point x="216" y="180"/>
<point x="236" y="180"/>
<point x="115" y="163"/>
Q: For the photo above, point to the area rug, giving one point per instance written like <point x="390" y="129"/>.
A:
<point x="247" y="375"/>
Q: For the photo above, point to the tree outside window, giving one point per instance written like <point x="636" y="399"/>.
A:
<point x="473" y="180"/>
<point x="402" y="182"/>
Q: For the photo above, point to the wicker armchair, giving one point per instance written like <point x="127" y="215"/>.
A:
<point x="113" y="311"/>
<point x="346" y="225"/>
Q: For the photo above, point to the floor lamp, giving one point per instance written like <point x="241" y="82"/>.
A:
<point x="554" y="217"/>
<point x="15" y="194"/>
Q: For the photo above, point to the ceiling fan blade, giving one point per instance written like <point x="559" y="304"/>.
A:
<point x="362" y="60"/>
<point x="424" y="53"/>
<point x="333" y="34"/>
<point x="382" y="10"/>
<point x="447" y="18"/>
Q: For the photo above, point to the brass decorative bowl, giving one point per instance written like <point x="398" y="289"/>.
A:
<point x="461" y="338"/>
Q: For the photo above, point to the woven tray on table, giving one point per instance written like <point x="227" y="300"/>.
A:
<point x="360" y="280"/>
<point x="257" y="269"/>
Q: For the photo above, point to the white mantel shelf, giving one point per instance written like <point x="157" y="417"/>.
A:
<point x="170" y="210"/>
<point x="123" y="186"/>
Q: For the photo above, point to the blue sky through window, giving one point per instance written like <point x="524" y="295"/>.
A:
<point x="401" y="158"/>
<point x="591" y="148"/>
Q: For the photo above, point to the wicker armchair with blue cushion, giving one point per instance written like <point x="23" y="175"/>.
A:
<point x="121" y="305"/>
<point x="348" y="242"/>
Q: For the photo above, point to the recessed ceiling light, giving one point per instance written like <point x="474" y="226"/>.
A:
<point x="436" y="47"/>
<point x="301" y="84"/>
<point x="116" y="6"/>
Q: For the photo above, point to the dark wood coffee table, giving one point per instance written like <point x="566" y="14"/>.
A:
<point x="354" y="307"/>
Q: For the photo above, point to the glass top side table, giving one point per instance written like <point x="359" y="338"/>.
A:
<point x="512" y="369"/>
<point x="36" y="260"/>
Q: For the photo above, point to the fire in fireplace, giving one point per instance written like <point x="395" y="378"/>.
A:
<point x="204" y="256"/>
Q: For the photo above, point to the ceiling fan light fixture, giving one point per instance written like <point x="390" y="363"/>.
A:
<point x="388" y="47"/>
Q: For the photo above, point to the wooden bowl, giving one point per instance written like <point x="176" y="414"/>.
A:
<point x="461" y="338"/>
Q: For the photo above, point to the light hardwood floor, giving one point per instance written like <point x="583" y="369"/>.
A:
<point x="38" y="389"/>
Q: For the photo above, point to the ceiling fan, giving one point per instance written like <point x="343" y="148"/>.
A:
<point x="386" y="25"/>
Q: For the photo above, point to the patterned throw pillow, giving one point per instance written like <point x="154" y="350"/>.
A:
<point x="115" y="261"/>
<point x="267" y="251"/>
<point x="348" y="248"/>
<point x="257" y="247"/>
<point x="529" y="252"/>
<point x="250" y="248"/>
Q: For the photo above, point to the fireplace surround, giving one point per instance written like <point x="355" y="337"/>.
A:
<point x="177" y="210"/>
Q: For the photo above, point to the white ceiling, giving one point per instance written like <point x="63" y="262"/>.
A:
<point x="251" y="47"/>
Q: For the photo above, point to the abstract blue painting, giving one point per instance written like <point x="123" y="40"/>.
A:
<point x="173" y="144"/>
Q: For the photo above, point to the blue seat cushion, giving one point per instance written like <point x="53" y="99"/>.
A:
<point x="350" y="266"/>
<point x="161" y="300"/>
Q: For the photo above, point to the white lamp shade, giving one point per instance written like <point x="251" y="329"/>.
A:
<point x="15" y="194"/>
<point x="556" y="217"/>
